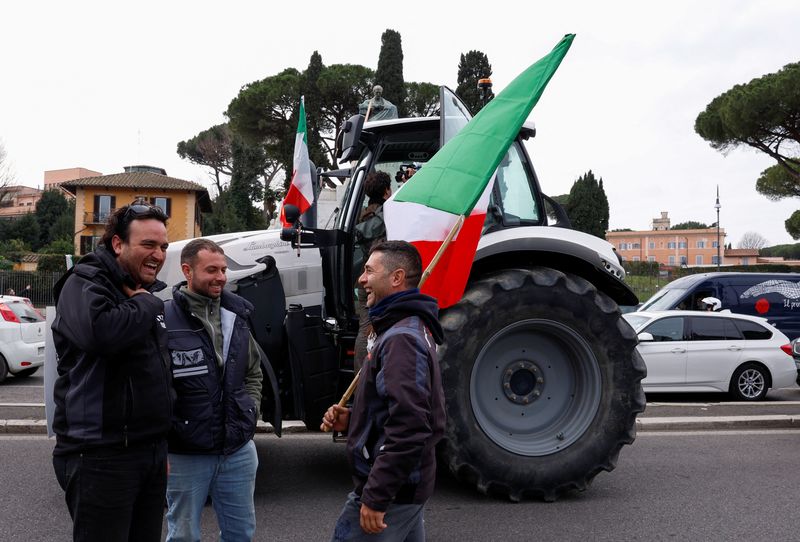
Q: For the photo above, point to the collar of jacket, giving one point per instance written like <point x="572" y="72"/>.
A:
<point x="229" y="301"/>
<point x="396" y="307"/>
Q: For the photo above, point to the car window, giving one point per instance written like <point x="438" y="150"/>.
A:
<point x="666" y="329"/>
<point x="712" y="329"/>
<point x="663" y="300"/>
<point x="24" y="312"/>
<point x="753" y="331"/>
<point x="636" y="321"/>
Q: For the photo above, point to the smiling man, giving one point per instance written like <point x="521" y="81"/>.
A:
<point x="398" y="411"/>
<point x="113" y="395"/>
<point x="216" y="368"/>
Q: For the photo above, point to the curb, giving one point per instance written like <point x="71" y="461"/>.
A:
<point x="707" y="423"/>
<point x="643" y="425"/>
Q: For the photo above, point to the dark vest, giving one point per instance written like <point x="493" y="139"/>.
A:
<point x="213" y="413"/>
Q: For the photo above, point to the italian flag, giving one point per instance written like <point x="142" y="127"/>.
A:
<point x="301" y="191"/>
<point x="457" y="182"/>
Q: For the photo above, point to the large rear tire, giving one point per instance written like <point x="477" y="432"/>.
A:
<point x="542" y="383"/>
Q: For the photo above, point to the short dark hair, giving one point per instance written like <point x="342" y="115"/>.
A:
<point x="193" y="247"/>
<point x="376" y="185"/>
<point x="401" y="255"/>
<point x="119" y="222"/>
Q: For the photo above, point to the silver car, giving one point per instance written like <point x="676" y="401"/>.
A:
<point x="712" y="351"/>
<point x="21" y="337"/>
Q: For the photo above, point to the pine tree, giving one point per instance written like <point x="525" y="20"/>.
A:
<point x="472" y="67"/>
<point x="389" y="74"/>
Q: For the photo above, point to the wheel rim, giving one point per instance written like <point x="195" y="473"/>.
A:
<point x="751" y="383"/>
<point x="535" y="387"/>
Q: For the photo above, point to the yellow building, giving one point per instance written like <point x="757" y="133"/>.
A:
<point x="97" y="196"/>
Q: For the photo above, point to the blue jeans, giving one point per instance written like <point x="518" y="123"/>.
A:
<point x="230" y="480"/>
<point x="404" y="523"/>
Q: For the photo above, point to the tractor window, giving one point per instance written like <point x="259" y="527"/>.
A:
<point x="515" y="188"/>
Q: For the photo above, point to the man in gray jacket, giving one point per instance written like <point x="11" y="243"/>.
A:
<point x="216" y="369"/>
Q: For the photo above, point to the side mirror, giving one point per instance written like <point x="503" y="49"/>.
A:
<point x="645" y="337"/>
<point x="291" y="212"/>
<point x="351" y="138"/>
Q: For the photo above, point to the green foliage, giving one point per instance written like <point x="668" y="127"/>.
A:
<point x="389" y="74"/>
<point x="210" y="148"/>
<point x="622" y="229"/>
<point x="422" y="99"/>
<point x="472" y="67"/>
<point x="52" y="262"/>
<point x="789" y="252"/>
<point x="59" y="246"/>
<point x="313" y="106"/>
<point x="587" y="207"/>
<point x="763" y="114"/>
<point x="793" y="225"/>
<point x="562" y="199"/>
<point x="777" y="183"/>
<point x="26" y="228"/>
<point x="55" y="215"/>
<point x="689" y="225"/>
<point x="343" y="87"/>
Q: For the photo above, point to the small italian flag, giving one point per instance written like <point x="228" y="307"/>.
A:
<point x="301" y="191"/>
<point x="457" y="182"/>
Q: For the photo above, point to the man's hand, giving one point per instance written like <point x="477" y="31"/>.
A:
<point x="130" y="293"/>
<point x="336" y="418"/>
<point x="371" y="520"/>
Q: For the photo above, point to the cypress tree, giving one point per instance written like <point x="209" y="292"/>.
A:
<point x="389" y="74"/>
<point x="472" y="67"/>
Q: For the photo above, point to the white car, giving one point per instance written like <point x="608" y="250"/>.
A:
<point x="21" y="337"/>
<point x="712" y="351"/>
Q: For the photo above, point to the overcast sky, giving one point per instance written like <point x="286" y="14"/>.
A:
<point x="102" y="84"/>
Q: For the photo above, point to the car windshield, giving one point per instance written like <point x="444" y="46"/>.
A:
<point x="636" y="320"/>
<point x="663" y="300"/>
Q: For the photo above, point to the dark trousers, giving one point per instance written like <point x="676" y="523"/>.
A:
<point x="115" y="494"/>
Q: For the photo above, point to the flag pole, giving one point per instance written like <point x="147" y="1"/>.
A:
<point x="428" y="270"/>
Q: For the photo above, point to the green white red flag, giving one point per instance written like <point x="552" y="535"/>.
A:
<point x="456" y="181"/>
<point x="301" y="190"/>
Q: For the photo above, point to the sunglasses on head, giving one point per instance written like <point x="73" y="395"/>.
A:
<point x="140" y="209"/>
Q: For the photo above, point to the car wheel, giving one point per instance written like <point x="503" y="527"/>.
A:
<point x="25" y="373"/>
<point x="3" y="368"/>
<point x="750" y="382"/>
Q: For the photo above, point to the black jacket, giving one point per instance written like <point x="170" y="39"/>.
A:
<point x="114" y="386"/>
<point x="398" y="412"/>
<point x="213" y="413"/>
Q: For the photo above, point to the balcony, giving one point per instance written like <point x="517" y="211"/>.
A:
<point x="90" y="218"/>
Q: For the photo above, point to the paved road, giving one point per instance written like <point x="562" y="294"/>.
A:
<point x="675" y="486"/>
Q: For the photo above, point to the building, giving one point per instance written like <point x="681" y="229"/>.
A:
<point x="660" y="244"/>
<point x="54" y="177"/>
<point x="97" y="196"/>
<point x="16" y="201"/>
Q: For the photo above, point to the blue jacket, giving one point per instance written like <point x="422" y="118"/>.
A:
<point x="213" y="413"/>
<point x="398" y="413"/>
<point x="113" y="386"/>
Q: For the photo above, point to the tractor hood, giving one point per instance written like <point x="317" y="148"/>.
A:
<point x="301" y="275"/>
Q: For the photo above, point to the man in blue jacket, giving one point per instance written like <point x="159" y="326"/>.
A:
<point x="113" y="395"/>
<point x="216" y="369"/>
<point x="398" y="411"/>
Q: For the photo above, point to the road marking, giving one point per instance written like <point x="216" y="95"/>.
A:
<point x="731" y="432"/>
<point x="21" y="404"/>
<point x="730" y="403"/>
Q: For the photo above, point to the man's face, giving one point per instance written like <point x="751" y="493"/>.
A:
<point x="207" y="276"/>
<point x="378" y="281"/>
<point x="142" y="256"/>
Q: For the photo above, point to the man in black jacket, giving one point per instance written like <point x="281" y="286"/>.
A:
<point x="113" y="395"/>
<point x="398" y="411"/>
<point x="216" y="369"/>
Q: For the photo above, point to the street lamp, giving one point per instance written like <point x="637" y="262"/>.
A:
<point x="717" y="206"/>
